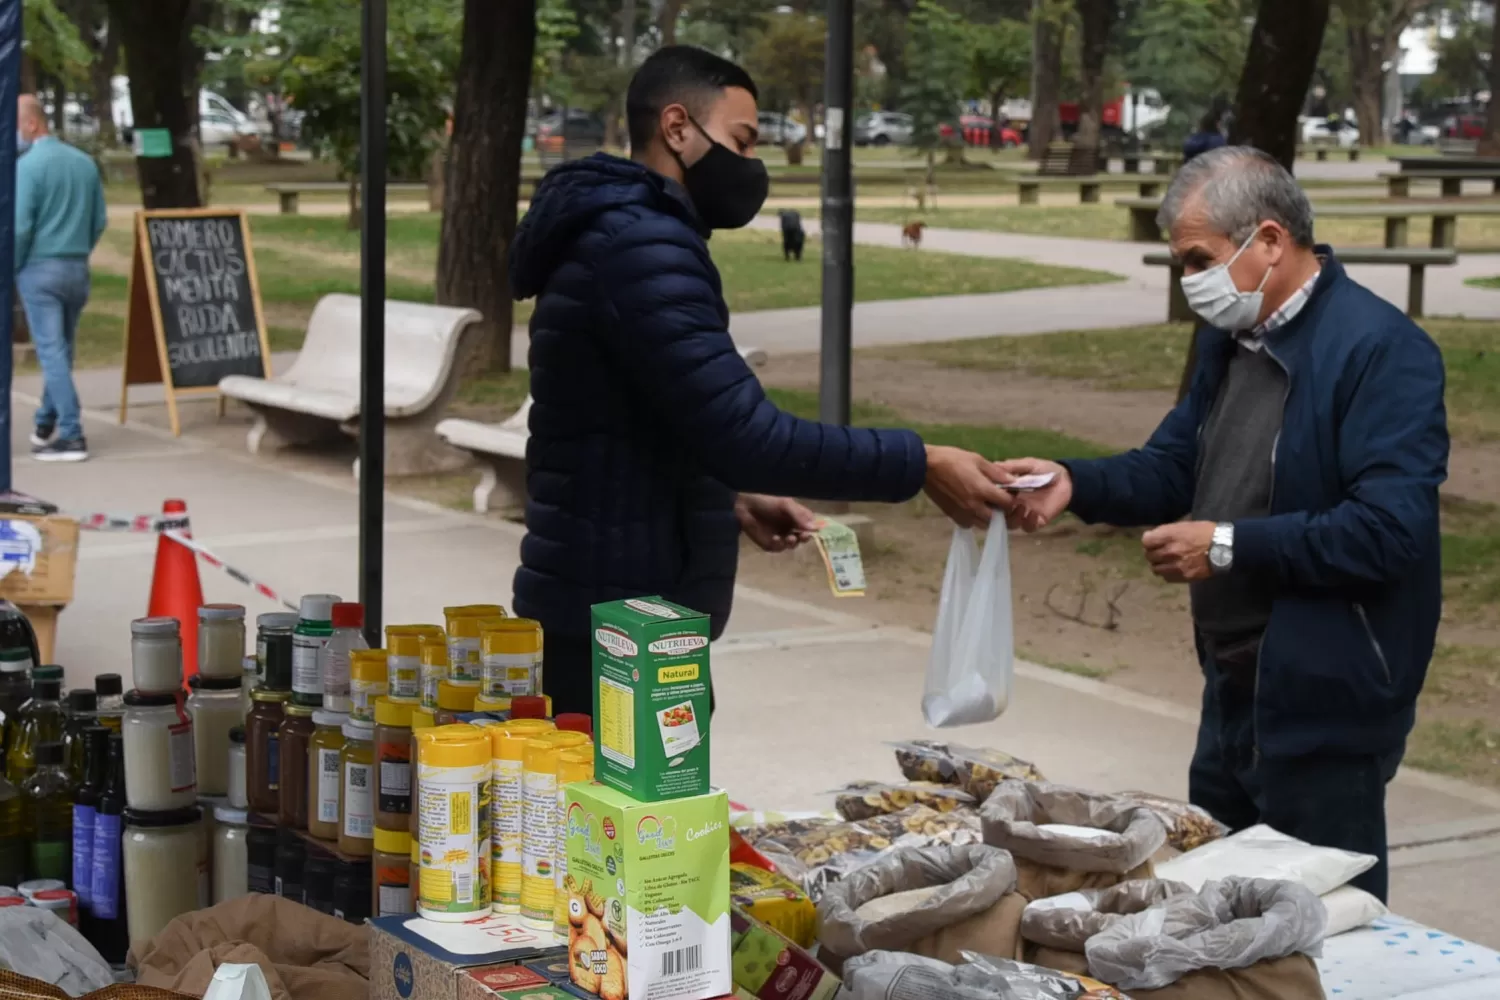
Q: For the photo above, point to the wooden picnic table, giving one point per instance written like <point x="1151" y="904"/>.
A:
<point x="1029" y="189"/>
<point x="1415" y="260"/>
<point x="1445" y="215"/>
<point x="290" y="193"/>
<point x="1399" y="184"/>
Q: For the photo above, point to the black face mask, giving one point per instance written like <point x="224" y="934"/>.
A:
<point x="728" y="190"/>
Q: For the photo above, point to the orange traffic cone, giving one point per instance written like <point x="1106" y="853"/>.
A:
<point x="176" y="590"/>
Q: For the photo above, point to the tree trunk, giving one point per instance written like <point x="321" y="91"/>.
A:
<point x="1097" y="18"/>
<point x="1489" y="144"/>
<point x="161" y="61"/>
<point x="352" y="223"/>
<point x="1279" y="66"/>
<point x="28" y="74"/>
<point x="666" y="21"/>
<point x="1366" y="57"/>
<point x="1046" y="80"/>
<point x="484" y="167"/>
<point x="101" y="70"/>
<point x="996" y="142"/>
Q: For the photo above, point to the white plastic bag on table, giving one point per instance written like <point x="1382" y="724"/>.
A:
<point x="238" y="982"/>
<point x="1263" y="852"/>
<point x="972" y="669"/>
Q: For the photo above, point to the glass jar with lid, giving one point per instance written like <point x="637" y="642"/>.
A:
<point x="263" y="750"/>
<point x="368" y="680"/>
<point x="295" y="737"/>
<point x="215" y="709"/>
<point x="231" y="854"/>
<point x="357" y="808"/>
<point x="325" y="776"/>
<point x="160" y="772"/>
<point x="273" y="649"/>
<point x="221" y="640"/>
<point x="420" y="719"/>
<point x="156" y="655"/>
<point x="238" y="789"/>
<point x="164" y="862"/>
<point x="393" y="764"/>
<point x="391" y="874"/>
<point x="454" y="699"/>
<point x="510" y="656"/>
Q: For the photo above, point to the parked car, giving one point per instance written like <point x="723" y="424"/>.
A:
<point x="776" y="129"/>
<point x="583" y="130"/>
<point x="1332" y="131"/>
<point x="978" y="130"/>
<point x="882" y="128"/>
<point x="219" y="121"/>
<point x="1464" y="127"/>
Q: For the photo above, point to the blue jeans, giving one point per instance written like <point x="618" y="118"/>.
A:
<point x="1327" y="799"/>
<point x="54" y="292"/>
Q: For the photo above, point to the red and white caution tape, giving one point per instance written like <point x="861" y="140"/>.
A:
<point x="173" y="528"/>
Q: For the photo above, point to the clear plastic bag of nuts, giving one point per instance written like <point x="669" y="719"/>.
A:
<point x="976" y="770"/>
<point x="865" y="799"/>
<point x="1187" y="825"/>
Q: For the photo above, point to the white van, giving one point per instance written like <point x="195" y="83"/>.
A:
<point x="219" y="122"/>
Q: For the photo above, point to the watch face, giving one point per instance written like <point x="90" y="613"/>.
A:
<point x="1219" y="555"/>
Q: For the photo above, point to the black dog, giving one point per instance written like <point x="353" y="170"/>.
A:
<point x="793" y="236"/>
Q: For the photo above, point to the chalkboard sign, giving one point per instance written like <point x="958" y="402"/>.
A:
<point x="195" y="313"/>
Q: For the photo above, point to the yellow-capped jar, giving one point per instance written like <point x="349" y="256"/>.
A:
<point x="369" y="678"/>
<point x="404" y="659"/>
<point x="434" y="670"/>
<point x="464" y="623"/>
<point x="539" y="823"/>
<point x="454" y="699"/>
<point x="420" y="719"/>
<point x="511" y="658"/>
<point x="508" y="747"/>
<point x="454" y="762"/>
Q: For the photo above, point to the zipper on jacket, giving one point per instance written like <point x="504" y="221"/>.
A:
<point x="1270" y="505"/>
<point x="1364" y="619"/>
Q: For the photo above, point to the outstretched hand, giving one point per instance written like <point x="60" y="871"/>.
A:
<point x="776" y="524"/>
<point x="1038" y="508"/>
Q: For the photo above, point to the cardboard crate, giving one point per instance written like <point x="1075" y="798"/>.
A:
<point x="38" y="558"/>
<point x="416" y="959"/>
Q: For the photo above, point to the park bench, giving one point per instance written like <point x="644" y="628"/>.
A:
<point x="1416" y="260"/>
<point x="1445" y="215"/>
<point x="317" y="399"/>
<point x="1029" y="189"/>
<point x="500" y="448"/>
<point x="1399" y="185"/>
<point x="1320" y="153"/>
<point x="290" y="194"/>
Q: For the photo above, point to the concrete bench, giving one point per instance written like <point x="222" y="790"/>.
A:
<point x="317" y="399"/>
<point x="1029" y="189"/>
<point x="290" y="194"/>
<point x="500" y="448"/>
<point x="1397" y="218"/>
<point x="1415" y="260"/>
<point x="1452" y="181"/>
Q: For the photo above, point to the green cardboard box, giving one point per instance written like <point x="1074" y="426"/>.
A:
<point x="648" y="894"/>
<point x="651" y="695"/>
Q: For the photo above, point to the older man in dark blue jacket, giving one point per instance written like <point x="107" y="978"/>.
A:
<point x="1306" y="458"/>
<point x="652" y="444"/>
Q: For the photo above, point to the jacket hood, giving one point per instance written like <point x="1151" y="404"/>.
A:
<point x="568" y="201"/>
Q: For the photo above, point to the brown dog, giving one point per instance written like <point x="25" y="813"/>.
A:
<point x="911" y="234"/>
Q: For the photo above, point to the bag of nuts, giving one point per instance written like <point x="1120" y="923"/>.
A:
<point x="976" y="770"/>
<point x="865" y="799"/>
<point x="1187" y="825"/>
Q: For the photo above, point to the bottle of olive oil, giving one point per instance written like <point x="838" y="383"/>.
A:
<point x="12" y="835"/>
<point x="41" y="721"/>
<point x="48" y="801"/>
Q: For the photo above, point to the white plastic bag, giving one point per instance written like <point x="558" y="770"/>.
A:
<point x="1263" y="852"/>
<point x="972" y="669"/>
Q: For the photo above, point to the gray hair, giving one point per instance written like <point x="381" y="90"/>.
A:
<point x="1239" y="188"/>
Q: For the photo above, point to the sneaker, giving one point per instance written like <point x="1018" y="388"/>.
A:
<point x="42" y="434"/>
<point x="62" y="451"/>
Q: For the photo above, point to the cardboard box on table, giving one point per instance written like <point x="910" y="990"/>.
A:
<point x="416" y="959"/>
<point x="38" y="562"/>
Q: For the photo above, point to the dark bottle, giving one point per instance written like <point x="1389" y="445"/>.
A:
<point x="109" y="691"/>
<point x="80" y="713"/>
<point x="16" y="631"/>
<point x="317" y="882"/>
<point x="351" y="891"/>
<point x="12" y="834"/>
<point x="110" y="934"/>
<point x="47" y="672"/>
<point x="85" y="806"/>
<point x="48" y="801"/>
<point x="15" y="689"/>
<point x="41" y="722"/>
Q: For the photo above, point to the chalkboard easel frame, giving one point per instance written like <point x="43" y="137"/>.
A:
<point x="145" y="365"/>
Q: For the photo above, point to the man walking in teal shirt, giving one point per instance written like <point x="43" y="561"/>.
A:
<point x="60" y="216"/>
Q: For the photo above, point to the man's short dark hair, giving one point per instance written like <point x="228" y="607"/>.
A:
<point x="678" y="74"/>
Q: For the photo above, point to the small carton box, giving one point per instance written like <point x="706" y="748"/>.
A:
<point x="651" y="698"/>
<point x="38" y="556"/>
<point x="769" y="966"/>
<point x="648" y="895"/>
<point x="416" y="959"/>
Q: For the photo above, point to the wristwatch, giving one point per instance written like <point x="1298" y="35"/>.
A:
<point x="1221" y="548"/>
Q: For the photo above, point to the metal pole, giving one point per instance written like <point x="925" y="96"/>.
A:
<point x="372" y="319"/>
<point x="10" y="85"/>
<point x="838" y="216"/>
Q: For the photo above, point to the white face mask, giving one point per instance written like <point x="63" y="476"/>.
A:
<point x="1213" y="294"/>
